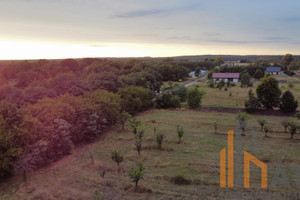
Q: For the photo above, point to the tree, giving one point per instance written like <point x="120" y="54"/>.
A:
<point x="253" y="103"/>
<point x="216" y="125"/>
<point x="268" y="92"/>
<point x="288" y="102"/>
<point x="266" y="130"/>
<point x="209" y="75"/>
<point x="180" y="133"/>
<point x="159" y="139"/>
<point x="135" y="99"/>
<point x="262" y="122"/>
<point x="285" y="124"/>
<point x="180" y="91"/>
<point x="123" y="117"/>
<point x="245" y="79"/>
<point x="138" y="141"/>
<point x="197" y="71"/>
<point x="117" y="157"/>
<point x="136" y="173"/>
<point x="259" y="74"/>
<point x="134" y="124"/>
<point x="242" y="119"/>
<point x="287" y="59"/>
<point x="194" y="97"/>
<point x="219" y="60"/>
<point x="221" y="84"/>
<point x="292" y="127"/>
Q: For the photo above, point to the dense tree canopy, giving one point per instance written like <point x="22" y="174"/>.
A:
<point x="268" y="92"/>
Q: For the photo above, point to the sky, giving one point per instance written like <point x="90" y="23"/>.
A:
<point x="36" y="29"/>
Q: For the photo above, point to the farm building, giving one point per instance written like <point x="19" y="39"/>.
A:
<point x="273" y="70"/>
<point x="231" y="77"/>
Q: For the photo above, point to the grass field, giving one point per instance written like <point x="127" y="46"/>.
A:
<point x="196" y="158"/>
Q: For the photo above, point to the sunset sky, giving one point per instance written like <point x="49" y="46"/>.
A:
<point x="34" y="29"/>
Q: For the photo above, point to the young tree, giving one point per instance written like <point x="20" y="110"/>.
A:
<point x="285" y="124"/>
<point x="268" y="92"/>
<point x="138" y="141"/>
<point x="180" y="133"/>
<point x="209" y="75"/>
<point x="242" y="118"/>
<point x="180" y="91"/>
<point x="292" y="127"/>
<point x="288" y="102"/>
<point x="266" y="130"/>
<point x="221" y="84"/>
<point x="117" y="157"/>
<point x="197" y="71"/>
<point x="253" y="103"/>
<point x="219" y="60"/>
<point x="123" y="117"/>
<point x="194" y="97"/>
<point x="136" y="173"/>
<point x="245" y="80"/>
<point x="216" y="123"/>
<point x="159" y="139"/>
<point x="262" y="122"/>
<point x="258" y="74"/>
<point x="134" y="124"/>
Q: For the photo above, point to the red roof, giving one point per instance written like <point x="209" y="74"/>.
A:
<point x="226" y="75"/>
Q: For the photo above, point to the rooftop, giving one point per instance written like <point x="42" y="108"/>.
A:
<point x="273" y="69"/>
<point x="226" y="75"/>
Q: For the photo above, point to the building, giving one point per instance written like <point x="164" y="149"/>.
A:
<point x="231" y="77"/>
<point x="273" y="70"/>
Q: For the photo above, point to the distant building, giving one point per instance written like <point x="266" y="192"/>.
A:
<point x="231" y="77"/>
<point x="273" y="70"/>
<point x="192" y="74"/>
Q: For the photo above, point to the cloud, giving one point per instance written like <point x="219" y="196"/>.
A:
<point x="152" y="12"/>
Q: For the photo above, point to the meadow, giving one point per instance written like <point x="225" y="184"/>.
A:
<point x="196" y="159"/>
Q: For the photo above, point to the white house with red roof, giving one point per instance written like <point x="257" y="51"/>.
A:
<point x="231" y="77"/>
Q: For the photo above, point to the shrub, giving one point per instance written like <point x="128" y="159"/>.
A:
<point x="266" y="130"/>
<point x="180" y="91"/>
<point x="268" y="92"/>
<point x="180" y="133"/>
<point x="285" y="124"/>
<point x="159" y="139"/>
<point x="297" y="115"/>
<point x="216" y="125"/>
<point x="253" y="102"/>
<point x="181" y="180"/>
<point x="242" y="118"/>
<point x="221" y="84"/>
<point x="134" y="124"/>
<point x="230" y="93"/>
<point x="245" y="79"/>
<point x="138" y="141"/>
<point x="136" y="173"/>
<point x="258" y="74"/>
<point x="117" y="157"/>
<point x="211" y="83"/>
<point x="291" y="85"/>
<point x="261" y="122"/>
<point x="167" y="100"/>
<point x="194" y="97"/>
<point x="292" y="127"/>
<point x="288" y="102"/>
<point x="123" y="117"/>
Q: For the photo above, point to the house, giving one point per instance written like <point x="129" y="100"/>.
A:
<point x="273" y="70"/>
<point x="231" y="77"/>
<point x="192" y="74"/>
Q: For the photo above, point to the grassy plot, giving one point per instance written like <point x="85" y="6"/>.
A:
<point x="189" y="170"/>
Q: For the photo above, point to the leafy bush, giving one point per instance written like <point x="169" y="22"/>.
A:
<point x="180" y="91"/>
<point x="134" y="124"/>
<point x="117" y="157"/>
<point x="266" y="130"/>
<point x="159" y="139"/>
<point x="292" y="127"/>
<point x="211" y="83"/>
<point x="285" y="124"/>
<point x="194" y="97"/>
<point x="242" y="119"/>
<point x="221" y="84"/>
<point x="262" y="122"/>
<point x="288" y="102"/>
<point x="180" y="133"/>
<point x="167" y="100"/>
<point x="291" y="85"/>
<point x="297" y="115"/>
<point x="137" y="172"/>
<point x="268" y="92"/>
<point x="253" y="102"/>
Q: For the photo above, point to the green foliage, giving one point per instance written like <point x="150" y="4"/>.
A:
<point x="285" y="124"/>
<point x="291" y="85"/>
<point x="297" y="115"/>
<point x="219" y="60"/>
<point x="211" y="83"/>
<point x="288" y="102"/>
<point x="9" y="151"/>
<point x="135" y="99"/>
<point x="194" y="97"/>
<point x="137" y="172"/>
<point x="159" y="137"/>
<point x="252" y="103"/>
<point x="287" y="59"/>
<point x="261" y="122"/>
<point x="123" y="117"/>
<point x="117" y="157"/>
<point x="266" y="130"/>
<point x="242" y="118"/>
<point x="209" y="75"/>
<point x="268" y="92"/>
<point x="138" y="140"/>
<point x="167" y="100"/>
<point x="97" y="196"/>
<point x="180" y="91"/>
<point x="258" y="74"/>
<point x="197" y="71"/>
<point x="292" y="128"/>
<point x="180" y="133"/>
<point x="134" y="124"/>
<point x="245" y="79"/>
<point x="221" y="84"/>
